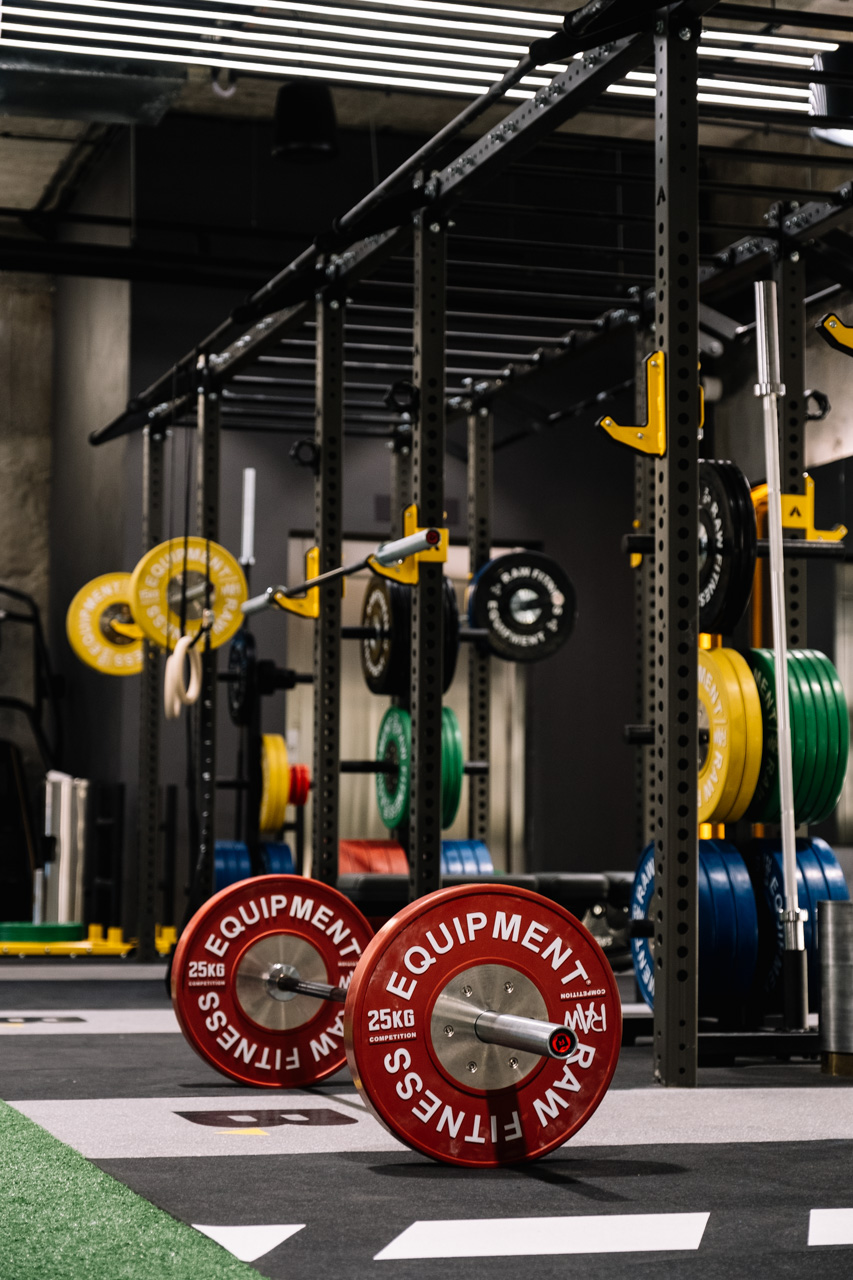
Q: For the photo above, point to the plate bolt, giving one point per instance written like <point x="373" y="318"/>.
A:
<point x="467" y="991"/>
<point x="472" y="1067"/>
<point x="508" y="988"/>
<point x="513" y="1062"/>
<point x="448" y="1031"/>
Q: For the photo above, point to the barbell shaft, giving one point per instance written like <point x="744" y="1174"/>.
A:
<point x="320" y="990"/>
<point x="792" y="548"/>
<point x="390" y="767"/>
<point x="466" y="634"/>
<point x="529" y="1035"/>
<point x="385" y="554"/>
<point x="369" y="766"/>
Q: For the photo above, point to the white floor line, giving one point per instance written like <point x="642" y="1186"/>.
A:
<point x="128" y="1128"/>
<point x="249" y="1243"/>
<point x="831" y="1226"/>
<point x="507" y="1237"/>
<point x="89" y="1022"/>
<point x="82" y="971"/>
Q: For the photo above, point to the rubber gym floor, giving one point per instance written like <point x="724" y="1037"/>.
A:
<point x="749" y="1175"/>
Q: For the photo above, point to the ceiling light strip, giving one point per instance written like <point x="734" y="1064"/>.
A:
<point x="388" y="18"/>
<point x="398" y="10"/>
<point x="719" y="99"/>
<point x="755" y="55"/>
<point x="752" y="37"/>
<point x="321" y="28"/>
<point x="300" y="40"/>
<point x="342" y="75"/>
<point x="247" y="51"/>
<point x="482" y="11"/>
<point x="739" y="86"/>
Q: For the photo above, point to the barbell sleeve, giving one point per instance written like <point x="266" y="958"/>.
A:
<point x="259" y="603"/>
<point x="529" y="1035"/>
<point x="390" y="552"/>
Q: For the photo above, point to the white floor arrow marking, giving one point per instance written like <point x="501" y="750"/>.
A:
<point x="504" y="1237"/>
<point x="831" y="1226"/>
<point x="249" y="1243"/>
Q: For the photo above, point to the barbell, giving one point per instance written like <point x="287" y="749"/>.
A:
<point x="481" y="1025"/>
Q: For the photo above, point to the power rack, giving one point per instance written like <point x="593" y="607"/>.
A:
<point x="316" y="286"/>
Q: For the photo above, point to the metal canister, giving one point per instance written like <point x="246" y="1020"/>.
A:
<point x="835" y="943"/>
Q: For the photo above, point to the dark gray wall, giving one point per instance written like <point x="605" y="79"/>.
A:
<point x="26" y="341"/>
<point x="94" y="490"/>
<point x="567" y="489"/>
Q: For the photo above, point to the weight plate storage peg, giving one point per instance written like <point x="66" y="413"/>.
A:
<point x="157" y="587"/>
<point x="527" y="604"/>
<point x="427" y="1031"/>
<point x="101" y="629"/>
<point x="225" y="979"/>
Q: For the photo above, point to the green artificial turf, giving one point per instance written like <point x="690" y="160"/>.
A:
<point x="61" y="1218"/>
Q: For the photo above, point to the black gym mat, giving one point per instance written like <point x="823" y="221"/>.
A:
<point x="354" y="1203"/>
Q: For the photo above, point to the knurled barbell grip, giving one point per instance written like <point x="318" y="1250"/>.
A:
<point x="529" y="1035"/>
<point x="320" y="990"/>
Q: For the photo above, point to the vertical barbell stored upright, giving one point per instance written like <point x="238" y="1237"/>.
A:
<point x="770" y="389"/>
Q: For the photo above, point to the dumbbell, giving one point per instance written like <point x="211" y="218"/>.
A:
<point x="481" y="1024"/>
